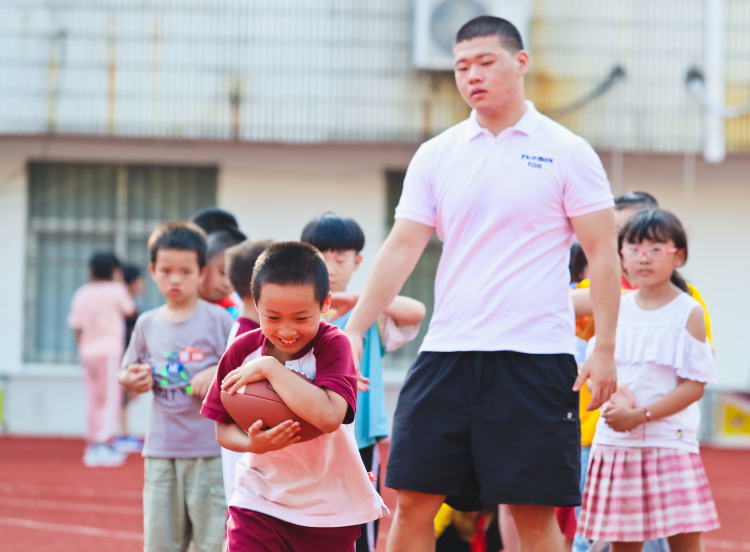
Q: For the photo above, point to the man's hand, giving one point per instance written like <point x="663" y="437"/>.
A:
<point x="201" y="382"/>
<point x="623" y="418"/>
<point x="255" y="370"/>
<point x="275" y="438"/>
<point x="601" y="372"/>
<point x="137" y="378"/>
<point x="363" y="383"/>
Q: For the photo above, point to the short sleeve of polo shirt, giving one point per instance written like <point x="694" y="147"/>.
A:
<point x="586" y="188"/>
<point x="233" y="357"/>
<point x="417" y="201"/>
<point x="334" y="366"/>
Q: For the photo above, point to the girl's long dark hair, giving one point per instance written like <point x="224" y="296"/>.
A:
<point x="658" y="225"/>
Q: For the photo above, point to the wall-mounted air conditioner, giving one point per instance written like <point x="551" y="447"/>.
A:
<point x="436" y="23"/>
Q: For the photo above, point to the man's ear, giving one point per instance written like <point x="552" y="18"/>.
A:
<point x="522" y="59"/>
<point x="152" y="270"/>
<point x="326" y="304"/>
<point x="357" y="261"/>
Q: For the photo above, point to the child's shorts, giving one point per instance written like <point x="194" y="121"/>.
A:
<point x="183" y="501"/>
<point x="249" y="531"/>
<point x="496" y="427"/>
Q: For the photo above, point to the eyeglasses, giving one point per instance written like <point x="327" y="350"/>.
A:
<point x="654" y="252"/>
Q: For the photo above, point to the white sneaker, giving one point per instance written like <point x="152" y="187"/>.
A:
<point x="127" y="444"/>
<point x="102" y="455"/>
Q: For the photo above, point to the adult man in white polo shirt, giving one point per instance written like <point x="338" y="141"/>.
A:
<point x="488" y="412"/>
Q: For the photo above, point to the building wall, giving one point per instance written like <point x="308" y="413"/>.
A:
<point x="274" y="189"/>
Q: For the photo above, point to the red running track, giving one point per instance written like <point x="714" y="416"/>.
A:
<point x="50" y="502"/>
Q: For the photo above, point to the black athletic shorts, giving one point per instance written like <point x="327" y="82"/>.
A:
<point x="496" y="427"/>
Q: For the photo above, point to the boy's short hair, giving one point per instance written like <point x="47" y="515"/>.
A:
<point x="131" y="272"/>
<point x="330" y="232"/>
<point x="103" y="264"/>
<point x="292" y="263"/>
<point x="221" y="240"/>
<point x="488" y="25"/>
<point x="212" y="219"/>
<point x="181" y="235"/>
<point x="241" y="260"/>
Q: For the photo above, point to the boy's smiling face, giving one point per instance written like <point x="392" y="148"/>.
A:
<point x="289" y="317"/>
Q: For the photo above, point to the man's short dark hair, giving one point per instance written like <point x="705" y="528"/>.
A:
<point x="330" y="232"/>
<point x="636" y="199"/>
<point x="488" y="25"/>
<point x="240" y="261"/>
<point x="212" y="219"/>
<point x="221" y="240"/>
<point x="181" y="235"/>
<point x="294" y="264"/>
<point x="103" y="264"/>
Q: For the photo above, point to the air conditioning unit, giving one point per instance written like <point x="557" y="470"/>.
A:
<point x="437" y="21"/>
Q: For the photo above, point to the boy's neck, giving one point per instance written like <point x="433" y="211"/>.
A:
<point x="278" y="355"/>
<point x="180" y="311"/>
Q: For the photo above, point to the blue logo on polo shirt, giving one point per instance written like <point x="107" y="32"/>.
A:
<point x="536" y="161"/>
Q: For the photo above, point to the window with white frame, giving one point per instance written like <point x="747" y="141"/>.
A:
<point x="76" y="209"/>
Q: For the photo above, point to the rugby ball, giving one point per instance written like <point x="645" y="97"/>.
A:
<point x="258" y="401"/>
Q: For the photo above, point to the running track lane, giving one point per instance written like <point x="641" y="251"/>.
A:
<point x="50" y="502"/>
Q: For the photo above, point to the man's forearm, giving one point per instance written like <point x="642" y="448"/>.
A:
<point x="605" y="297"/>
<point x="394" y="262"/>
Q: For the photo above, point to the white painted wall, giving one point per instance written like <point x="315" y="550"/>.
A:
<point x="274" y="189"/>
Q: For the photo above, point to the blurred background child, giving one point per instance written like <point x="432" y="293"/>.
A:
<point x="174" y="351"/>
<point x="222" y="232"/>
<point x="97" y="315"/>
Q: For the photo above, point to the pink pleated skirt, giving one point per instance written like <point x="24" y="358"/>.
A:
<point x="639" y="494"/>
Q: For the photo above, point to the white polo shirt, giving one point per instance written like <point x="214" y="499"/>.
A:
<point x="500" y="204"/>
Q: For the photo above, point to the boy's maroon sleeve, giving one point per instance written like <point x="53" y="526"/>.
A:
<point x="334" y="367"/>
<point x="212" y="407"/>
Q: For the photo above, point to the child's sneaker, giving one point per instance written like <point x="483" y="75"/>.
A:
<point x="128" y="443"/>
<point x="102" y="455"/>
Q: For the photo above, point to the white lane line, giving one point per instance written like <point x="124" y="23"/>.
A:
<point x="726" y="544"/>
<point x="46" y="490"/>
<point x="68" y="505"/>
<point x="77" y="529"/>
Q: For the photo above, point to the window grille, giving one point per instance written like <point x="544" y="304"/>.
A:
<point x="76" y="209"/>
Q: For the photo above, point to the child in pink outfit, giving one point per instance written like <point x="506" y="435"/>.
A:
<point x="97" y="315"/>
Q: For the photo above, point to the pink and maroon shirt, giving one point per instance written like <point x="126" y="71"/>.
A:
<point x="317" y="483"/>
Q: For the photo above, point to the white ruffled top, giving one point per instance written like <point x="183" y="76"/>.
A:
<point x="653" y="352"/>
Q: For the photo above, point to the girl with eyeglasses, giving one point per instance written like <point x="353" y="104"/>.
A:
<point x="645" y="478"/>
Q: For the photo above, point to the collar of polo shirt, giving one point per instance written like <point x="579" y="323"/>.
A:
<point x="525" y="124"/>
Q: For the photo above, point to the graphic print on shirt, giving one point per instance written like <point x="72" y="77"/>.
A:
<point x="170" y="376"/>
